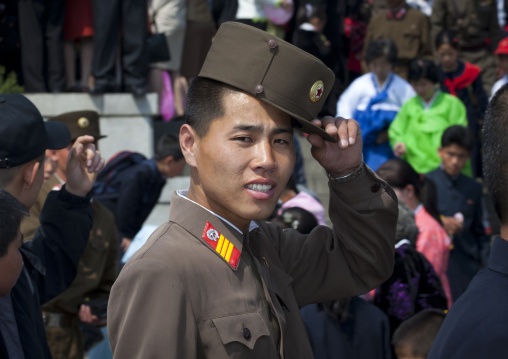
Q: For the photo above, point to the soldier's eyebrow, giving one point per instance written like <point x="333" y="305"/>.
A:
<point x="260" y="129"/>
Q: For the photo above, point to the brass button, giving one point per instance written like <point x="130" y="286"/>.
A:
<point x="375" y="187"/>
<point x="246" y="333"/>
<point x="259" y="89"/>
<point x="272" y="44"/>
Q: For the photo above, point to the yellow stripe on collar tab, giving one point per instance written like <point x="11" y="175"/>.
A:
<point x="221" y="245"/>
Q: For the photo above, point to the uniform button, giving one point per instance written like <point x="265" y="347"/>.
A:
<point x="272" y="44"/>
<point x="246" y="333"/>
<point x="375" y="187"/>
<point x="259" y="89"/>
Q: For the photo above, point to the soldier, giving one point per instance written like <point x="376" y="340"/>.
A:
<point x="217" y="281"/>
<point x="408" y="28"/>
<point x="97" y="268"/>
<point x="476" y="25"/>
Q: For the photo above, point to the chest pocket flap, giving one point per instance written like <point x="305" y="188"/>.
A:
<point x="243" y="328"/>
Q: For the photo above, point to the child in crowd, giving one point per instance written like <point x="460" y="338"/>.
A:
<point x="413" y="286"/>
<point x="502" y="63"/>
<point x="414" y="337"/>
<point x="292" y="197"/>
<point x="462" y="79"/>
<point x="420" y="197"/>
<point x="459" y="203"/>
<point x="11" y="263"/>
<point x="308" y="36"/>
<point x="415" y="134"/>
<point x="374" y="100"/>
<point x="297" y="218"/>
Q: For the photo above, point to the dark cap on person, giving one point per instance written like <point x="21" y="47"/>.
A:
<point x="25" y="135"/>
<point x="271" y="70"/>
<point x="81" y="123"/>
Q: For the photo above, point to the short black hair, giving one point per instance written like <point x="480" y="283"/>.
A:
<point x="7" y="174"/>
<point x="422" y="69"/>
<point x="168" y="145"/>
<point x="419" y="331"/>
<point x="447" y="37"/>
<point x="384" y="48"/>
<point x="297" y="218"/>
<point x="399" y="173"/>
<point x="460" y="136"/>
<point x="204" y="103"/>
<point x="495" y="152"/>
<point x="11" y="214"/>
<point x="307" y="11"/>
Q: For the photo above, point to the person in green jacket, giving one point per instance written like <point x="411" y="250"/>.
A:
<point x="416" y="131"/>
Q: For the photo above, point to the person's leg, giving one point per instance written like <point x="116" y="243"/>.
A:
<point x="106" y="22"/>
<point x="70" y="64"/>
<point x="180" y="87"/>
<point x="55" y="14"/>
<point x="86" y="63"/>
<point x="30" y="13"/>
<point x="135" y="35"/>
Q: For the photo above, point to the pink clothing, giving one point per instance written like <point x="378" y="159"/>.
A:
<point x="434" y="244"/>
<point x="307" y="202"/>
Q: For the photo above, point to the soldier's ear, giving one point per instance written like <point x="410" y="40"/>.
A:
<point x="188" y="143"/>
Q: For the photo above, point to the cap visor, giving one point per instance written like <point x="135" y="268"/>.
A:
<point x="58" y="135"/>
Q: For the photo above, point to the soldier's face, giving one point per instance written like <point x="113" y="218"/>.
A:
<point x="241" y="166"/>
<point x="10" y="265"/>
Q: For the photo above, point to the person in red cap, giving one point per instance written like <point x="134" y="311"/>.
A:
<point x="502" y="61"/>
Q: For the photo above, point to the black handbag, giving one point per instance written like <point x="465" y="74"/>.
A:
<point x="158" y="49"/>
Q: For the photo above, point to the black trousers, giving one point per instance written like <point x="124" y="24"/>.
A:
<point x="41" y="35"/>
<point x="109" y="17"/>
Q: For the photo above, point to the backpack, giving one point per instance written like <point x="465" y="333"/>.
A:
<point x="121" y="161"/>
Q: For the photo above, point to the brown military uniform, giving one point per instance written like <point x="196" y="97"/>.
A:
<point x="198" y="299"/>
<point x="97" y="271"/>
<point x="476" y="25"/>
<point x="410" y="33"/>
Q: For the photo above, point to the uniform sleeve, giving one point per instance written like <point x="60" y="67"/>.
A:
<point x="357" y="255"/>
<point x="66" y="221"/>
<point x="111" y="271"/>
<point x="162" y="309"/>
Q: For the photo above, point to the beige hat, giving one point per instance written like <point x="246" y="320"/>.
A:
<point x="271" y="70"/>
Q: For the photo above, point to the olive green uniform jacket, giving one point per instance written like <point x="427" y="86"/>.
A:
<point x="411" y="35"/>
<point x="177" y="297"/>
<point x="97" y="268"/>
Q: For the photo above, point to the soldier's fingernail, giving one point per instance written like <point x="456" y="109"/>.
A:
<point x="351" y="140"/>
<point x="344" y="143"/>
<point x="89" y="163"/>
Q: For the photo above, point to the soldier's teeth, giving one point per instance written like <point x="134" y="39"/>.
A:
<point x="260" y="187"/>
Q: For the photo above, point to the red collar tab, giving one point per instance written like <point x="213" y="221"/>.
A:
<point x="221" y="245"/>
<point x="399" y="14"/>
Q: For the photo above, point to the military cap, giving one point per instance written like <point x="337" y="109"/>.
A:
<point x="271" y="70"/>
<point x="502" y="47"/>
<point x="25" y="135"/>
<point x="81" y="123"/>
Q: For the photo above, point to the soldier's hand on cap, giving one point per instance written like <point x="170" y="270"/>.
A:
<point x="344" y="156"/>
<point x="83" y="165"/>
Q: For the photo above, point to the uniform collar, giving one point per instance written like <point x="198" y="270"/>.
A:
<point x="212" y="230"/>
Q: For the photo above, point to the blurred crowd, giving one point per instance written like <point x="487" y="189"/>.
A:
<point x="417" y="75"/>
